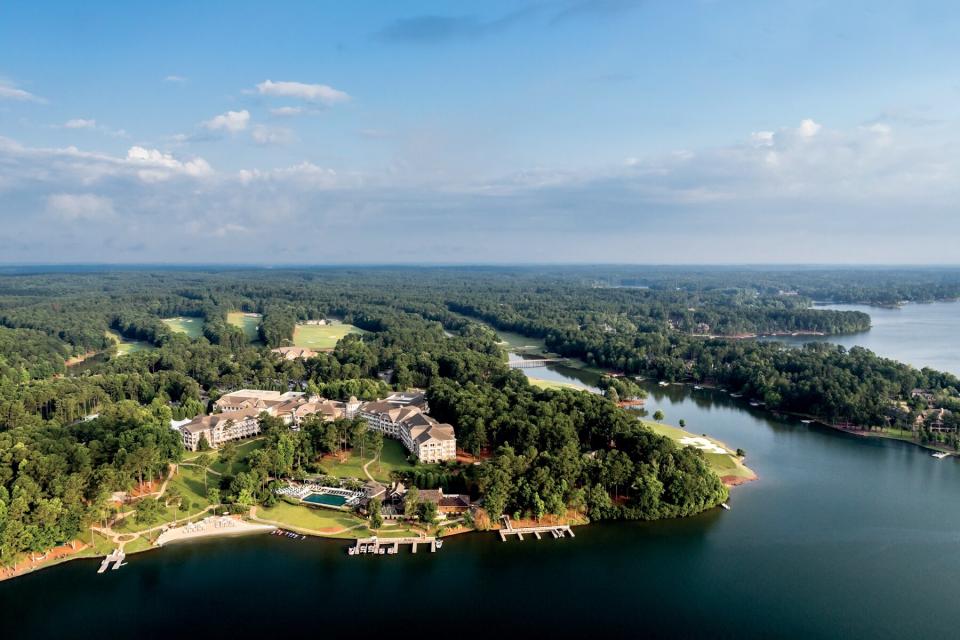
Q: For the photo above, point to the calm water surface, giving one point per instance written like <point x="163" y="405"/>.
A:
<point x="840" y="537"/>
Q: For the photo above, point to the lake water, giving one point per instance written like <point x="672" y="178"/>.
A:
<point x="924" y="335"/>
<point x="841" y="536"/>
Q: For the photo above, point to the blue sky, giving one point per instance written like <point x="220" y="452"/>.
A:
<point x="558" y="130"/>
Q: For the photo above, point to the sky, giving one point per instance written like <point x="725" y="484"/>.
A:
<point x="567" y="131"/>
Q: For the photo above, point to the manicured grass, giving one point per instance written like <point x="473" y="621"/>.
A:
<point x="314" y="336"/>
<point x="518" y="342"/>
<point x="314" y="519"/>
<point x="247" y="322"/>
<point x="125" y="346"/>
<point x="238" y="465"/>
<point x="189" y="481"/>
<point x="392" y="458"/>
<point x="553" y="384"/>
<point x="193" y="327"/>
<point x="723" y="464"/>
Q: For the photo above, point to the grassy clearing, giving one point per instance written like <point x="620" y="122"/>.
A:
<point x="313" y="336"/>
<point x="238" y="464"/>
<point x="553" y="384"/>
<point x="193" y="327"/>
<point x="313" y="519"/>
<point x="249" y="323"/>
<point x="189" y="481"/>
<point x="125" y="346"/>
<point x="723" y="464"/>
<point x="392" y="458"/>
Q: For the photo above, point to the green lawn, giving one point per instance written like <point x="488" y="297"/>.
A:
<point x="238" y="465"/>
<point x="125" y="346"/>
<point x="314" y="336"/>
<point x="723" y="464"/>
<point x="189" y="481"/>
<point x="315" y="519"/>
<point x="193" y="327"/>
<point x="553" y="384"/>
<point x="392" y="458"/>
<point x="247" y="322"/>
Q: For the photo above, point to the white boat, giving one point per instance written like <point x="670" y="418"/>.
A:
<point x="725" y="506"/>
<point x="697" y="387"/>
<point x="439" y="543"/>
<point x="754" y="404"/>
<point x="663" y="384"/>
<point x="807" y="421"/>
<point x="736" y="395"/>
<point x="940" y="455"/>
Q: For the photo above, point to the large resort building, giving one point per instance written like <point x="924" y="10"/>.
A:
<point x="239" y="411"/>
<point x="403" y="416"/>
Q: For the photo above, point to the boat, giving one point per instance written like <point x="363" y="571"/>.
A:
<point x="754" y="404"/>
<point x="697" y="387"/>
<point x="940" y="455"/>
<point x="807" y="421"/>
<point x="439" y="543"/>
<point x="725" y="506"/>
<point x="663" y="384"/>
<point x="736" y="395"/>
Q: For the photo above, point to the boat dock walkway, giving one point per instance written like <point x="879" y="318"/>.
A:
<point x="391" y="546"/>
<point x="556" y="530"/>
<point x="115" y="557"/>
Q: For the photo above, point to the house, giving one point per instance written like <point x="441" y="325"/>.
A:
<point x="446" y="503"/>
<point x="402" y="416"/>
<point x="218" y="428"/>
<point x="295" y="353"/>
<point x="254" y="399"/>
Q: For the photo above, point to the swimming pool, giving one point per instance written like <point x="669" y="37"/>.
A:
<point x="325" y="500"/>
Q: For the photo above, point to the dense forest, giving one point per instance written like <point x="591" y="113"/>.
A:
<point x="69" y="436"/>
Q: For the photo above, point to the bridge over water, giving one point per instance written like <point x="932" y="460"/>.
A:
<point x="532" y="363"/>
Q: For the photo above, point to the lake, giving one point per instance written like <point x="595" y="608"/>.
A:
<point x="924" y="335"/>
<point x="841" y="536"/>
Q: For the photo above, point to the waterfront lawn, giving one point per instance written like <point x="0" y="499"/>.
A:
<point x="723" y="464"/>
<point x="247" y="323"/>
<point x="189" y="481"/>
<point x="312" y="519"/>
<point x="392" y="458"/>
<point x="327" y="336"/>
<point x="239" y="463"/>
<point x="193" y="327"/>
<point x="553" y="384"/>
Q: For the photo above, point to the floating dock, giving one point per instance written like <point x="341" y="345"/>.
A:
<point x="557" y="531"/>
<point x="391" y="546"/>
<point x="116" y="557"/>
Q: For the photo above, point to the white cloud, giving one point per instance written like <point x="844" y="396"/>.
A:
<point x="809" y="128"/>
<point x="231" y="121"/>
<point x="264" y="135"/>
<point x="762" y="138"/>
<point x="287" y="111"/>
<point x="10" y="92"/>
<point x="79" y="206"/>
<point x="155" y="166"/>
<point x="175" y="78"/>
<point x="321" y="93"/>
<point x="80" y="123"/>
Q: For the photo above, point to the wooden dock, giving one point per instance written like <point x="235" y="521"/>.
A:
<point x="391" y="546"/>
<point x="116" y="557"/>
<point x="556" y="530"/>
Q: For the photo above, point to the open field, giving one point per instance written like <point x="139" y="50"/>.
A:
<point x="246" y="322"/>
<point x="218" y="466"/>
<point x="725" y="465"/>
<point x="392" y="458"/>
<point x="309" y="519"/>
<point x="189" y="481"/>
<point x="553" y="384"/>
<point x="125" y="346"/>
<point x="313" y="336"/>
<point x="193" y="327"/>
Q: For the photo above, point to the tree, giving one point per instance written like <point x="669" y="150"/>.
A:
<point x="213" y="495"/>
<point x="411" y="502"/>
<point x="427" y="511"/>
<point x="203" y="461"/>
<point x="658" y="415"/>
<point x="682" y="423"/>
<point x="376" y="517"/>
<point x="203" y="444"/>
<point x="375" y="442"/>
